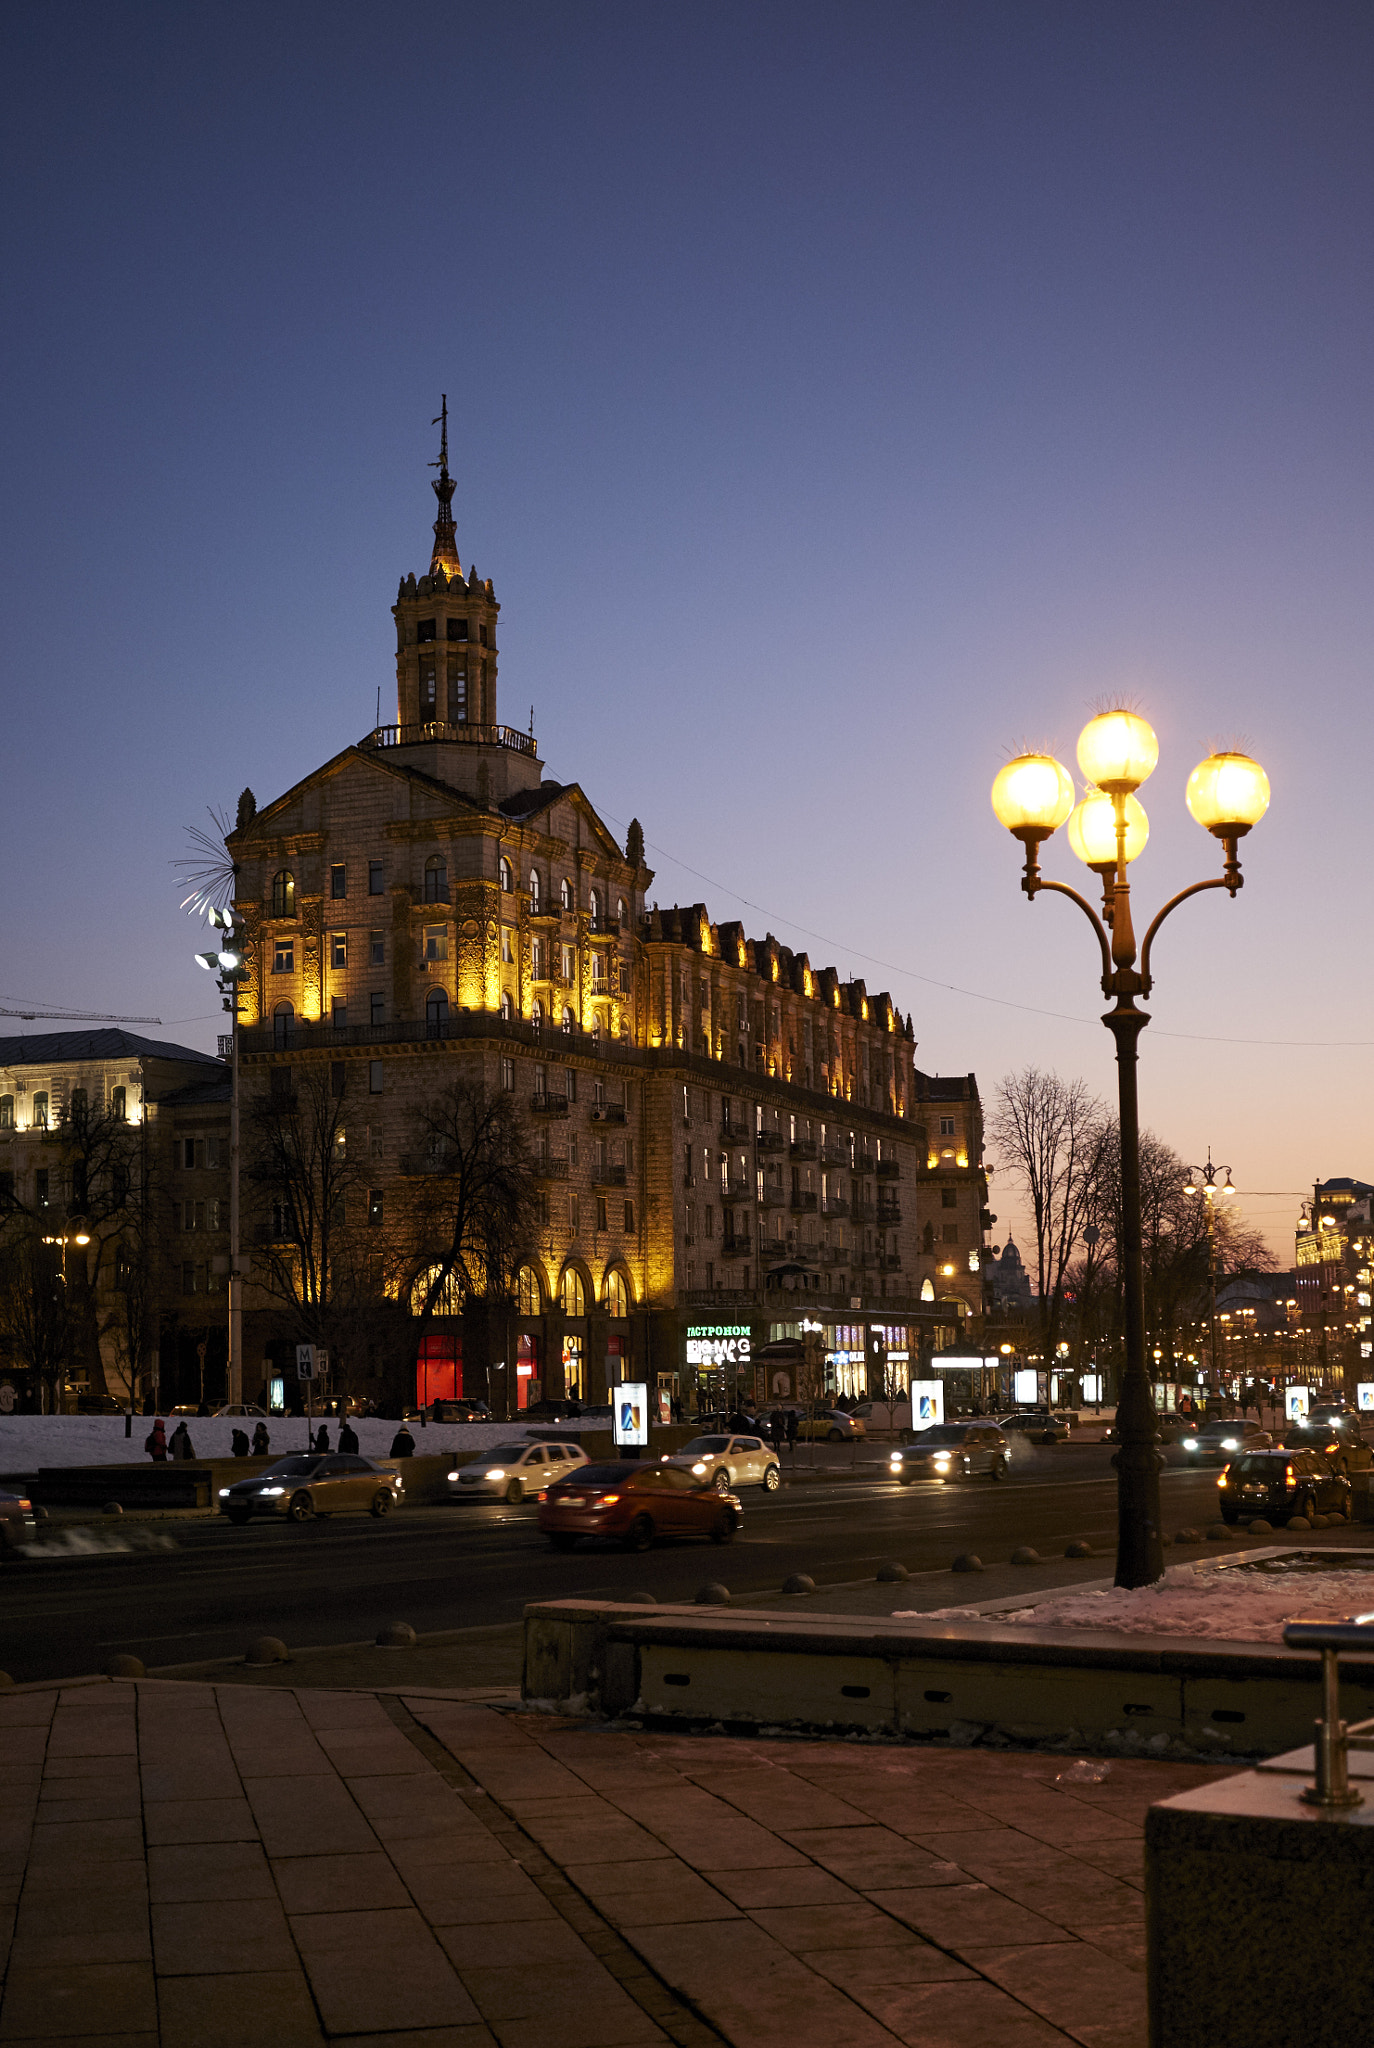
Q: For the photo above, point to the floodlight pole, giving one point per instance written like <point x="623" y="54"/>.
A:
<point x="235" y="1275"/>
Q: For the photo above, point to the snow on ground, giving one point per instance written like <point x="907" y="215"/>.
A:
<point x="1191" y="1600"/>
<point x="29" y="1441"/>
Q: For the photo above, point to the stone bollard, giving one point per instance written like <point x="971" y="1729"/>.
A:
<point x="892" y="1573"/>
<point x="125" y="1667"/>
<point x="397" y="1635"/>
<point x="267" y="1650"/>
<point x="1188" y="1536"/>
<point x="798" y="1583"/>
<point x="967" y="1561"/>
<point x="5" y="1680"/>
<point x="1259" y="1527"/>
<point x="112" y="1507"/>
<point x="641" y="1600"/>
<point x="1078" y="1548"/>
<point x="1023" y="1554"/>
<point x="712" y="1594"/>
<point x="1220" y="1532"/>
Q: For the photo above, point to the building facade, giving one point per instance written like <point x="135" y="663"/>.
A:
<point x="735" y="1150"/>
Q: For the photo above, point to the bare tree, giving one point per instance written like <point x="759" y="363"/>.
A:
<point x="35" y="1309"/>
<point x="1048" y="1136"/>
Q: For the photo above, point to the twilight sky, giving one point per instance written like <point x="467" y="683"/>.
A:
<point x="841" y="396"/>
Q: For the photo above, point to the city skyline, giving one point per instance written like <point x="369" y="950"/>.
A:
<point x="830" y="423"/>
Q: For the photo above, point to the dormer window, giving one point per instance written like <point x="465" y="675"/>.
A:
<point x="283" y="893"/>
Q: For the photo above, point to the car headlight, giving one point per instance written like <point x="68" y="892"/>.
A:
<point x="1190" y="1443"/>
<point x="496" y="1472"/>
<point x="453" y="1475"/>
<point x="941" y="1464"/>
<point x="273" y="1491"/>
<point x="894" y="1463"/>
<point x="1231" y="1443"/>
<point x="1223" y="1478"/>
<point x="224" y="1493"/>
<point x="698" y="1469"/>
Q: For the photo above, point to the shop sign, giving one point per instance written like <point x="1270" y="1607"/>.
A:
<point x="717" y="1344"/>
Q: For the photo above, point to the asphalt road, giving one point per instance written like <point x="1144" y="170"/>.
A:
<point x="464" y="1565"/>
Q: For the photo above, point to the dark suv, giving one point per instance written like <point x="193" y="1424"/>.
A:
<point x="952" y="1451"/>
<point x="1341" y="1444"/>
<point x="1278" y="1484"/>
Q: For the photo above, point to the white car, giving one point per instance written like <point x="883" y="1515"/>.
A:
<point x="514" y="1471"/>
<point x="726" y="1462"/>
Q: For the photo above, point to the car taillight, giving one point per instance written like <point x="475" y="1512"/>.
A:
<point x="543" y="1493"/>
<point x="607" y="1500"/>
<point x="1222" y="1479"/>
<point x="26" y="1507"/>
<point x="1288" y="1475"/>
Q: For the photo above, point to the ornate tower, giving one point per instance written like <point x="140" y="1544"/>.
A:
<point x="446" y="666"/>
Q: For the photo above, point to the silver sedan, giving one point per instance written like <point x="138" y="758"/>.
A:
<point x="314" y="1484"/>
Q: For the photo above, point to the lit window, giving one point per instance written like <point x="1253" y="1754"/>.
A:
<point x="617" y="1295"/>
<point x="567" y="1020"/>
<point x="436" y="942"/>
<point x="284" y="956"/>
<point x="507" y="1007"/>
<point x="507" y="947"/>
<point x="338" y="950"/>
<point x="374" y="1207"/>
<point x="507" y="877"/>
<point x="565" y="892"/>
<point x="7" y="1111"/>
<point x="574" y="1295"/>
<point x="39" y="1119"/>
<point x="283" y="893"/>
<point x="531" y="1295"/>
<point x="534" y="892"/>
<point x="622" y="915"/>
<point x="594" y="905"/>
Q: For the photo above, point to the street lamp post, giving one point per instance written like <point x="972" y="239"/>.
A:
<point x="1202" y="1180"/>
<point x="1033" y="796"/>
<point x="230" y="967"/>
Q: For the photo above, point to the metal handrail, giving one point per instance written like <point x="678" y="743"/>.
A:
<point x="1332" y="1739"/>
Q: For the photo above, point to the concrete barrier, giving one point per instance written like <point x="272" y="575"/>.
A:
<point x="925" y="1678"/>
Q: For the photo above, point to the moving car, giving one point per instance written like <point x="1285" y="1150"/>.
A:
<point x="314" y="1483"/>
<point x="18" y="1523"/>
<point x="952" y="1451"/>
<point x="238" y="1408"/>
<point x="634" y="1504"/>
<point x="1038" y="1425"/>
<point x="1345" y="1449"/>
<point x="831" y="1426"/>
<point x="513" y="1470"/>
<point x="729" y="1461"/>
<point x="1216" y="1443"/>
<point x="1275" y="1485"/>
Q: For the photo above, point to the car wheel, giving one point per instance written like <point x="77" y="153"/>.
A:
<point x="301" y="1508"/>
<point x="999" y="1468"/>
<point x="238" y="1516"/>
<point x="772" y="1479"/>
<point x="382" y="1502"/>
<point x="721" y="1482"/>
<point x="835" y="1436"/>
<point x="562" y="1540"/>
<point x="515" y="1492"/>
<point x="640" y="1533"/>
<point x="723" y="1529"/>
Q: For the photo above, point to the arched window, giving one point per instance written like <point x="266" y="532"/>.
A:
<point x="537" y="1014"/>
<point x="594" y="905"/>
<point x="531" y="1294"/>
<point x="507" y="1006"/>
<point x="622" y="915"/>
<point x="927" y="1290"/>
<point x="574" y="1295"/>
<point x="534" y="892"/>
<point x="565" y="891"/>
<point x="507" y="877"/>
<point x="6" y="1112"/>
<point x="436" y="879"/>
<point x="283" y="1024"/>
<point x="617" y="1295"/>
<point x="283" y="893"/>
<point x="567" y="1021"/>
<point x="436" y="1013"/>
<point x="119" y="1105"/>
<point x="39" y="1119"/>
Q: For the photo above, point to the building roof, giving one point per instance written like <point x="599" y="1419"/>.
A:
<point x="61" y="1048"/>
<point x="199" y="1093"/>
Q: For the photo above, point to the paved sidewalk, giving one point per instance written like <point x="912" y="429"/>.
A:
<point x="186" y="1865"/>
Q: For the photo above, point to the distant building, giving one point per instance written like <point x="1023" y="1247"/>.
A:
<point x="1009" y="1282"/>
<point x="1335" y="1258"/>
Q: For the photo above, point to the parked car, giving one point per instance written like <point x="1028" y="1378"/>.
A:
<point x="1037" y="1425"/>
<point x="18" y="1523"/>
<point x="239" y="1408"/>
<point x="1216" y="1443"/>
<point x="831" y="1426"/>
<point x="634" y="1504"/>
<point x="1332" y="1414"/>
<point x="513" y="1470"/>
<point x="726" y="1462"/>
<point x="1275" y="1485"/>
<point x="1345" y="1449"/>
<point x="460" y="1411"/>
<point x="98" y="1404"/>
<point x="314" y="1484"/>
<point x="951" y="1451"/>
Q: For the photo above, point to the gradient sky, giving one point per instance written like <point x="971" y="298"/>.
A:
<point x="841" y="396"/>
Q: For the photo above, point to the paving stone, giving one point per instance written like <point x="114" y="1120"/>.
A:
<point x="960" y="1917"/>
<point x="307" y="1812"/>
<point x="200" y="1871"/>
<point x="474" y="2036"/>
<point x="323" y="1884"/>
<point x="273" y="2009"/>
<point x="963" y="2015"/>
<point x="1074" y="1986"/>
<point x="641" y="1894"/>
<point x="493" y="1946"/>
<point x="108" y="1927"/>
<point x="199" y="1820"/>
<point x="797" y="1884"/>
<point x="74" y="1999"/>
<point x="78" y="1843"/>
<point x="374" y="1971"/>
<point x="887" y="1962"/>
<point x="752" y="1989"/>
<point x="196" y="1937"/>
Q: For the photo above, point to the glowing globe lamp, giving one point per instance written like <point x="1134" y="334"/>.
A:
<point x="1227" y="794"/>
<point x="1033" y="795"/>
<point x="1118" y="751"/>
<point x="1092" y="830"/>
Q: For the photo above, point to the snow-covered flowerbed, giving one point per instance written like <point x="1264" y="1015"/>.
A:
<point x="29" y="1441"/>
<point x="1191" y="1600"/>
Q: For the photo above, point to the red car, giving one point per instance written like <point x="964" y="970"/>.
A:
<point x="634" y="1503"/>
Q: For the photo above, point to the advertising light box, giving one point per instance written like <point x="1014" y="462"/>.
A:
<point x="631" y="1413"/>
<point x="1364" y="1397"/>
<point x="1092" y="1387"/>
<point x="927" y="1403"/>
<point x="1026" y="1385"/>
<point x="1296" y="1403"/>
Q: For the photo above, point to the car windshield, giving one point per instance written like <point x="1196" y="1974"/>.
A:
<point x="706" y="1443"/>
<point x="507" y="1451"/>
<point x="943" y="1433"/>
<point x="292" y="1468"/>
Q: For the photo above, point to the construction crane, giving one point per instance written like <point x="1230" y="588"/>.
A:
<point x="73" y="1017"/>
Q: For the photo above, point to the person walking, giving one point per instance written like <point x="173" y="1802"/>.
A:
<point x="155" y="1443"/>
<point x="777" y="1429"/>
<point x="181" y="1445"/>
<point x="262" y="1442"/>
<point x="402" y="1444"/>
<point x="791" y="1429"/>
<point x="321" y="1442"/>
<point x="348" y="1439"/>
<point x="238" y="1443"/>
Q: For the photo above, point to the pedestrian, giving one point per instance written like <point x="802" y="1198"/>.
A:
<point x="791" y="1429"/>
<point x="181" y="1446"/>
<point x="155" y="1443"/>
<point x="348" y="1439"/>
<point x="321" y="1442"/>
<point x="238" y="1443"/>
<point x="262" y="1442"/>
<point x="402" y="1444"/>
<point x="777" y="1428"/>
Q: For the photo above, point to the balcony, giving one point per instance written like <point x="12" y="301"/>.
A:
<point x="889" y="1262"/>
<point x="551" y="1169"/>
<point x="737" y="1190"/>
<point x="833" y="1154"/>
<point x="544" y="1104"/>
<point x="769" y="1141"/>
<point x="773" y="1197"/>
<point x="545" y="909"/>
<point x="383" y="736"/>
<point x="889" y="1215"/>
<point x="802" y="1202"/>
<point x="715" y="1297"/>
<point x="864" y="1162"/>
<point x="862" y="1211"/>
<point x="834" y="1205"/>
<point x="887" y="1169"/>
<point x="608" y="1177"/>
<point x="802" y="1148"/>
<point x="735" y="1134"/>
<point x="736" y="1247"/>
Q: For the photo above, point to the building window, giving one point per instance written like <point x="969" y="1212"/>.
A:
<point x="574" y="1214"/>
<point x="374" y="1207"/>
<point x="338" y="950"/>
<point x="188" y="1278"/>
<point x="567" y="1021"/>
<point x="507" y="947"/>
<point x="283" y="893"/>
<point x="537" y="1014"/>
<point x="565" y="892"/>
<point x="507" y="1007"/>
<point x="40" y="1187"/>
<point x="622" y="915"/>
<point x="949" y="1198"/>
<point x="599" y="972"/>
<point x="427" y="688"/>
<point x="594" y="906"/>
<point x="338" y="1078"/>
<point x="436" y="1012"/>
<point x="568" y="957"/>
<point x="376" y="1009"/>
<point x="574" y="1294"/>
<point x="284" y="956"/>
<point x="950" y="1233"/>
<point x="374" y="1077"/>
<point x="424" y="631"/>
<point x="946" y="1126"/>
<point x="630" y="1219"/>
<point x="508" y="1076"/>
<point x="536" y="959"/>
<point x="457" y="693"/>
<point x="338" y="1013"/>
<point x="338" y="880"/>
<point x="507" y="873"/>
<point x="624" y="977"/>
<point x="529" y="1292"/>
<point x="283" y="1023"/>
<point x="376" y="949"/>
<point x="534" y="892"/>
<point x="436" y="942"/>
<point x="436" y="879"/>
<point x="376" y="884"/>
<point x="617" y="1295"/>
<point x="457" y="629"/>
<point x="601" y="1222"/>
<point x="6" y="1112"/>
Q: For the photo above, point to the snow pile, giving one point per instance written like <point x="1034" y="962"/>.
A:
<point x="29" y="1441"/>
<point x="1191" y="1600"/>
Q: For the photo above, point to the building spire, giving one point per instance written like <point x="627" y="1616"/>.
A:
<point x="445" y="555"/>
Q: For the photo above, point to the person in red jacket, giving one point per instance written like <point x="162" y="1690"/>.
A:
<point x="155" y="1443"/>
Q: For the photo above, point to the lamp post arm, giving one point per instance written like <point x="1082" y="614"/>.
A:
<point x="1063" y="889"/>
<point x="1194" y="889"/>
